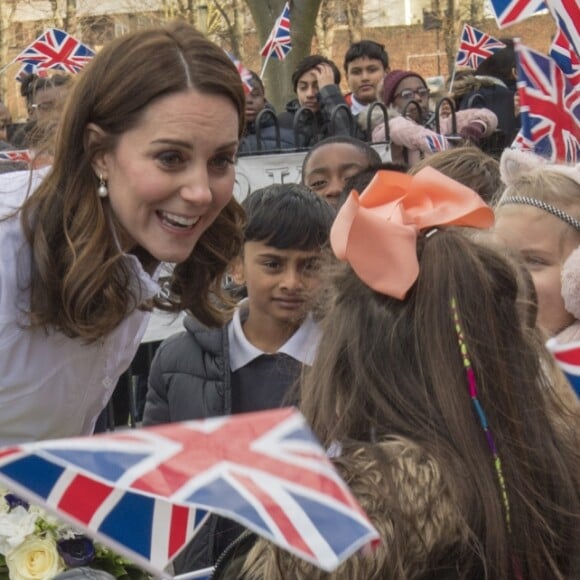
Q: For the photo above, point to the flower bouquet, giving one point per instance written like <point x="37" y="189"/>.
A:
<point x="37" y="546"/>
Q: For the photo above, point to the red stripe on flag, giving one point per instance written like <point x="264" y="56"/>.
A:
<point x="281" y="520"/>
<point x="571" y="357"/>
<point x="9" y="451"/>
<point x="83" y="497"/>
<point x="178" y="529"/>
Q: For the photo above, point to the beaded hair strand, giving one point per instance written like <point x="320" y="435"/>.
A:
<point x="471" y="381"/>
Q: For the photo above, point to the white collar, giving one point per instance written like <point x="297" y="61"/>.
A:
<point x="355" y="106"/>
<point x="301" y="346"/>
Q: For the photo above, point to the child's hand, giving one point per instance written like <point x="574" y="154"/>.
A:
<point x="516" y="104"/>
<point x="324" y="75"/>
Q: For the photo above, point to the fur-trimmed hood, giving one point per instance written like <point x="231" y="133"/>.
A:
<point x="472" y="83"/>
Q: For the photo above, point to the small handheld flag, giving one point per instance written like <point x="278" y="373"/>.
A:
<point x="475" y="47"/>
<point x="509" y="12"/>
<point x="568" y="359"/>
<point x="146" y="492"/>
<point x="245" y="73"/>
<point x="56" y="49"/>
<point x="279" y="43"/>
<point x="550" y="107"/>
<point x="15" y="156"/>
<point x="436" y="142"/>
<point x="566" y="58"/>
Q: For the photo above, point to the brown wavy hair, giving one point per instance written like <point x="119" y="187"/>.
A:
<point x="468" y="165"/>
<point x="79" y="280"/>
<point x="390" y="368"/>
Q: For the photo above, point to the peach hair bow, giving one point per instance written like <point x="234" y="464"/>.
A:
<point x="376" y="232"/>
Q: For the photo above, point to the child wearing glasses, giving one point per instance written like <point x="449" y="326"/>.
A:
<point x="411" y="124"/>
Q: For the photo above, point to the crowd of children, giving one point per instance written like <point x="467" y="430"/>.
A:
<point x="403" y="306"/>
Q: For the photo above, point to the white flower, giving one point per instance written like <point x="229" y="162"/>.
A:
<point x="14" y="527"/>
<point x="35" y="559"/>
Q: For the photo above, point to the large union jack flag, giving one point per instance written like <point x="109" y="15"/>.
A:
<point x="476" y="46"/>
<point x="550" y="107"/>
<point x="566" y="58"/>
<point x="568" y="359"/>
<point x="20" y="155"/>
<point x="509" y="12"/>
<point x="279" y="43"/>
<point x="144" y="491"/>
<point x="56" y="49"/>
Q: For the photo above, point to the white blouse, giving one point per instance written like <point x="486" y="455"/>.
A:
<point x="52" y="386"/>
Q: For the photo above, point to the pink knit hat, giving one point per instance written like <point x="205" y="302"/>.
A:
<point x="393" y="79"/>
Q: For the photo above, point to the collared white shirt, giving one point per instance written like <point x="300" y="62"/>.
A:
<point x="52" y="386"/>
<point x="301" y="346"/>
<point x="355" y="106"/>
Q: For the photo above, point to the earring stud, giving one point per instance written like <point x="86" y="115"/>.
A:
<point x="102" y="190"/>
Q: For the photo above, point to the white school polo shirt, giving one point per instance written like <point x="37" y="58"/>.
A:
<point x="301" y="346"/>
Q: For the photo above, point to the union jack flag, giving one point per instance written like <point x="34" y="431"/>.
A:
<point x="21" y="155"/>
<point x="550" y="106"/>
<point x="144" y="491"/>
<point x="279" y="43"/>
<point x="475" y="47"/>
<point x="565" y="57"/>
<point x="568" y="359"/>
<point x="567" y="16"/>
<point x="245" y="73"/>
<point x="436" y="142"/>
<point x="56" y="49"/>
<point x="511" y="11"/>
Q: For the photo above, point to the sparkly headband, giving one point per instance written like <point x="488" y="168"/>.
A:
<point x="560" y="214"/>
<point x="471" y="381"/>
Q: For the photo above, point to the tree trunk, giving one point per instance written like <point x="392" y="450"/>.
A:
<point x="70" y="17"/>
<point x="4" y="23"/>
<point x="325" y="29"/>
<point x="354" y="19"/>
<point x="303" y="18"/>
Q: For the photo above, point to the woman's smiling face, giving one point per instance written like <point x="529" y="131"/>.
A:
<point x="171" y="175"/>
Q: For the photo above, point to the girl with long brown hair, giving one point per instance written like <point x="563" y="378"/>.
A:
<point x="429" y="387"/>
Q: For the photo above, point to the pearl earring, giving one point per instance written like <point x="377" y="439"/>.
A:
<point x="102" y="190"/>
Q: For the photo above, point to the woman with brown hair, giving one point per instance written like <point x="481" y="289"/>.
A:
<point x="429" y="388"/>
<point x="143" y="175"/>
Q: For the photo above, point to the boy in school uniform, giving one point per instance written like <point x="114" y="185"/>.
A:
<point x="251" y="363"/>
<point x="365" y="63"/>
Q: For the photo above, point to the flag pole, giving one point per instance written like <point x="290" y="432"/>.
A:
<point x="203" y="573"/>
<point x="6" y="66"/>
<point x="265" y="65"/>
<point x="452" y="77"/>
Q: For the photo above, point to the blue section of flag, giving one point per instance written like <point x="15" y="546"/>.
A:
<point x="221" y="495"/>
<point x="110" y="466"/>
<point x="131" y="523"/>
<point x="340" y="530"/>
<point x="35" y="473"/>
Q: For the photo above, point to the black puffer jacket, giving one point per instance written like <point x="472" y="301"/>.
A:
<point x="308" y="133"/>
<point x="190" y="379"/>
